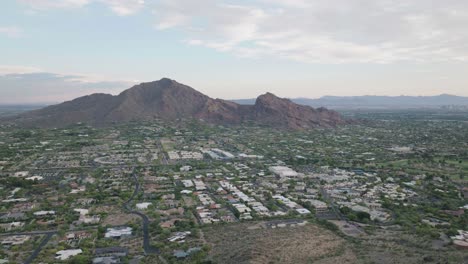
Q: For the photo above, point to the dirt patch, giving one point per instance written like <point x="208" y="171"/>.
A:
<point x="119" y="219"/>
<point x="395" y="247"/>
<point x="349" y="229"/>
<point x="239" y="243"/>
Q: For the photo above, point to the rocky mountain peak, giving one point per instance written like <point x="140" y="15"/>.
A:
<point x="169" y="100"/>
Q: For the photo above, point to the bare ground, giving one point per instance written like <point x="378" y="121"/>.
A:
<point x="237" y="243"/>
<point x="119" y="219"/>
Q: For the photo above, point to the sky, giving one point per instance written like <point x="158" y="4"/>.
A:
<point x="56" y="50"/>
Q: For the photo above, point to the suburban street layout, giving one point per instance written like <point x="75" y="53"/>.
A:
<point x="190" y="192"/>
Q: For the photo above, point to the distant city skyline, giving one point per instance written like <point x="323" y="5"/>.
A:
<point x="55" y="50"/>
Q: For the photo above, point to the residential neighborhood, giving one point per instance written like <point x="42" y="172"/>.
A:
<point x="160" y="192"/>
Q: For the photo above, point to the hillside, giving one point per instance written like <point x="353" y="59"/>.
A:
<point x="169" y="100"/>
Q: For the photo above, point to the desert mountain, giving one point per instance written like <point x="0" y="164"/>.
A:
<point x="376" y="102"/>
<point x="169" y="100"/>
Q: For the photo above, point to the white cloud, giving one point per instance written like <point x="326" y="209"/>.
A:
<point x="124" y="7"/>
<point x="75" y="77"/>
<point x="11" y="32"/>
<point x="23" y="84"/>
<point x="119" y="7"/>
<point x="337" y="31"/>
<point x="47" y="4"/>
<point x="14" y="69"/>
<point x="171" y="21"/>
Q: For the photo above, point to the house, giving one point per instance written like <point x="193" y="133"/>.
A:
<point x="12" y="225"/>
<point x="302" y="211"/>
<point x="66" y="254"/>
<point x="78" y="235"/>
<point x="95" y="219"/>
<point x="283" y="171"/>
<point x="118" y="232"/>
<point x="143" y="206"/>
<point x="185" y="168"/>
<point x="320" y="206"/>
<point x="44" y="213"/>
<point x="13" y="216"/>
<point x="34" y="178"/>
<point x="461" y="240"/>
<point x="15" y="240"/>
<point x="179" y="236"/>
<point x="187" y="183"/>
<point x="21" y="174"/>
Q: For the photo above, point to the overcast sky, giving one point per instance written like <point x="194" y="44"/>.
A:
<point x="55" y="50"/>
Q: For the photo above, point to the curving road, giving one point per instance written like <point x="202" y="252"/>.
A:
<point x="147" y="247"/>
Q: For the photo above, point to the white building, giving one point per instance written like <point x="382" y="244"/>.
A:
<point x="118" y="232"/>
<point x="66" y="254"/>
<point x="283" y="171"/>
<point x="143" y="206"/>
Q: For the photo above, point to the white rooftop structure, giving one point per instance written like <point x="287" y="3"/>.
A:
<point x="226" y="154"/>
<point x="302" y="211"/>
<point x="21" y="174"/>
<point x="42" y="213"/>
<point x="143" y="205"/>
<point x="66" y="254"/>
<point x="116" y="232"/>
<point x="185" y="168"/>
<point x="33" y="178"/>
<point x="283" y="171"/>
<point x="187" y="183"/>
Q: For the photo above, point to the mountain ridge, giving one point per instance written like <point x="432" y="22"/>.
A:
<point x="376" y="101"/>
<point x="169" y="100"/>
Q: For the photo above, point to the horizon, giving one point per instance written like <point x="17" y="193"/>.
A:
<point x="55" y="51"/>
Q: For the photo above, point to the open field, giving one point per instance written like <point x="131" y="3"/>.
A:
<point x="237" y="243"/>
<point x="119" y="219"/>
<point x="395" y="247"/>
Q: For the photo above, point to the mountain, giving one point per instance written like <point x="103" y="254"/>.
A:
<point x="167" y="99"/>
<point x="376" y="102"/>
<point x="271" y="110"/>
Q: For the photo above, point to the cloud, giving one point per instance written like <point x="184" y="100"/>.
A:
<point x="119" y="7"/>
<point x="49" y="4"/>
<point x="124" y="7"/>
<point x="314" y="31"/>
<point x="22" y="85"/>
<point x="11" y="32"/>
<point x="13" y="69"/>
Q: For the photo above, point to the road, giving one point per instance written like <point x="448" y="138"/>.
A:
<point x="32" y="233"/>
<point x="147" y="247"/>
<point x="161" y="150"/>
<point x="39" y="248"/>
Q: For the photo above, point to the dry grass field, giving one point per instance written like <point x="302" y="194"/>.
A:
<point x="393" y="247"/>
<point x="119" y="219"/>
<point x="240" y="243"/>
